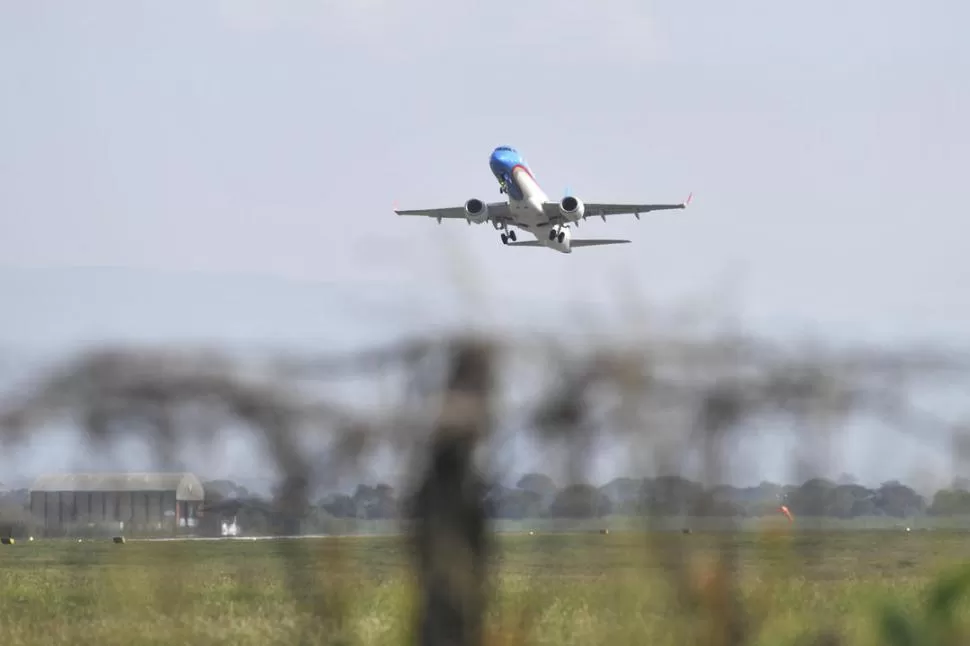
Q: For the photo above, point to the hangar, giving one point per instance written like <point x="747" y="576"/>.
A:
<point x="116" y="502"/>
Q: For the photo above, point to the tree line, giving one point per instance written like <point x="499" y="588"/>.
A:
<point x="536" y="495"/>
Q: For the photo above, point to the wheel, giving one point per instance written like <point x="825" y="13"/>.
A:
<point x="512" y="236"/>
<point x="505" y="239"/>
<point x="552" y="234"/>
<point x="562" y="236"/>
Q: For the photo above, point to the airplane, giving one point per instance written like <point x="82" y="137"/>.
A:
<point x="530" y="209"/>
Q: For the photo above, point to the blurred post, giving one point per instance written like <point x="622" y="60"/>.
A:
<point x="450" y="533"/>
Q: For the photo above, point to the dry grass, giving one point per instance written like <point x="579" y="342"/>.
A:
<point x="661" y="403"/>
<point x="562" y="589"/>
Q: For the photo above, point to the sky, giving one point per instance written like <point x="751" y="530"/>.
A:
<point x="824" y="144"/>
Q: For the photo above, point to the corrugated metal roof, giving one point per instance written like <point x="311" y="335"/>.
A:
<point x="186" y="485"/>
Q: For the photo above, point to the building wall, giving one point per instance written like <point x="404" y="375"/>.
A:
<point x="98" y="507"/>
<point x="139" y="510"/>
<point x="52" y="510"/>
<point x="65" y="507"/>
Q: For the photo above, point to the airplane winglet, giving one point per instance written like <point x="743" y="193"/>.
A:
<point x="689" y="198"/>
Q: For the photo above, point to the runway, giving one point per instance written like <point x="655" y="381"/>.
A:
<point x="174" y="539"/>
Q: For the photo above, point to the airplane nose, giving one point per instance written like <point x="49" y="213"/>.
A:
<point x="502" y="159"/>
<point x="496" y="163"/>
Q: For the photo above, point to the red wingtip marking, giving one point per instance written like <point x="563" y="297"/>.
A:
<point x="689" y="198"/>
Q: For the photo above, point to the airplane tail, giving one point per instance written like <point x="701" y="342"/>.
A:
<point x="595" y="242"/>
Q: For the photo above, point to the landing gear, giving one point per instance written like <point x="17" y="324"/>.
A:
<point x="557" y="233"/>
<point x="508" y="236"/>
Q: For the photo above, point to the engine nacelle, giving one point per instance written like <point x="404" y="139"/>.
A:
<point x="572" y="208"/>
<point x="476" y="210"/>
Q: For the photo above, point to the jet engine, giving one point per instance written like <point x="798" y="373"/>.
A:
<point x="572" y="208"/>
<point x="476" y="210"/>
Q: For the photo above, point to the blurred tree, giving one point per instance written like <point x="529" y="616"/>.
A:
<point x="375" y="502"/>
<point x="669" y="496"/>
<point x="624" y="493"/>
<point x="539" y="483"/>
<point x="815" y="497"/>
<point x="580" y="501"/>
<point x="898" y="500"/>
<point x="515" y="504"/>
<point x="950" y="502"/>
<point x="339" y="505"/>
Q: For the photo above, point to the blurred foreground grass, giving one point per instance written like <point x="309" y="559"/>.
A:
<point x="547" y="589"/>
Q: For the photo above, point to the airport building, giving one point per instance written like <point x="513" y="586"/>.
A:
<point x="116" y="502"/>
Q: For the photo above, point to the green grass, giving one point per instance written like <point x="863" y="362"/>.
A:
<point x="621" y="588"/>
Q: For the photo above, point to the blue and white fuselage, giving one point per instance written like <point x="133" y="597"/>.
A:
<point x="529" y="208"/>
<point x="514" y="176"/>
<point x="527" y="200"/>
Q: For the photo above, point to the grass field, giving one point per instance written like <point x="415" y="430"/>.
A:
<point x="620" y="588"/>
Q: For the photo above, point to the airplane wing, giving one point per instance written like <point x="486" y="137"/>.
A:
<point x="497" y="212"/>
<point x="603" y="209"/>
<point x="572" y="243"/>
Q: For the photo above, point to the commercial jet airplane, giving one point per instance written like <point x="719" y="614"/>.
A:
<point x="530" y="209"/>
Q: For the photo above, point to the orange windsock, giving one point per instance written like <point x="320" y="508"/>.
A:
<point x="783" y="509"/>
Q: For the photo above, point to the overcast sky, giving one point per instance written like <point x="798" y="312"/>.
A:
<point x="825" y="144"/>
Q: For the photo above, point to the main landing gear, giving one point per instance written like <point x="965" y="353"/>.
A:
<point x="508" y="236"/>
<point x="557" y="232"/>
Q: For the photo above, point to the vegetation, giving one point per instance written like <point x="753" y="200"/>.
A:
<point x="546" y="586"/>
<point x="537" y="502"/>
<point x="546" y="589"/>
<point x="536" y="495"/>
